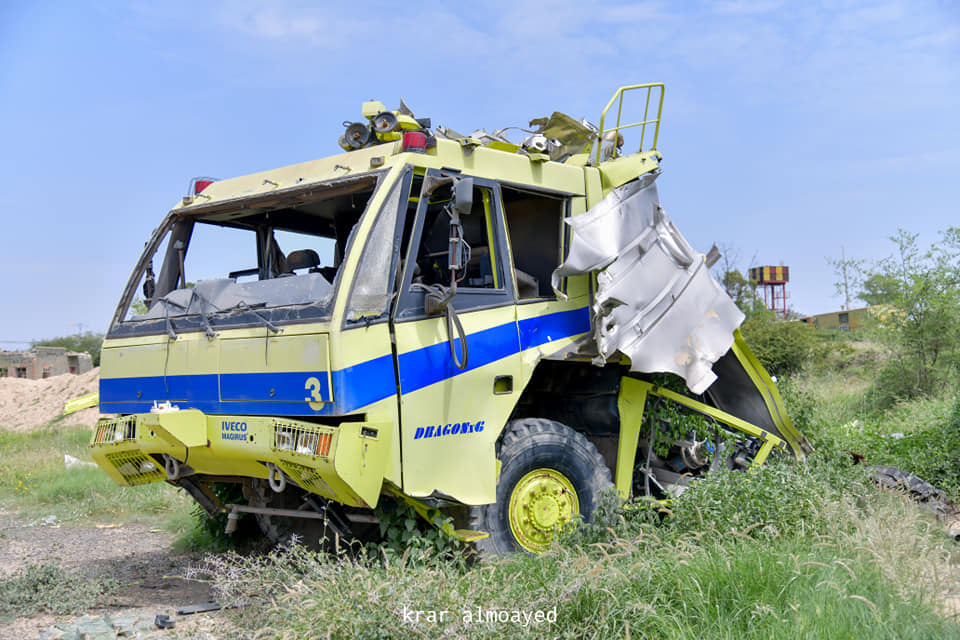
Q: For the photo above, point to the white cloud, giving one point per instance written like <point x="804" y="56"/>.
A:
<point x="837" y="58"/>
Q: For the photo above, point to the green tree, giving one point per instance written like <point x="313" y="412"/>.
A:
<point x="782" y="347"/>
<point x="86" y="341"/>
<point x="742" y="291"/>
<point x="880" y="288"/>
<point x="922" y="290"/>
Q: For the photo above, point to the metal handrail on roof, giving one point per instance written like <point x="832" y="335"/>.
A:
<point x="654" y="122"/>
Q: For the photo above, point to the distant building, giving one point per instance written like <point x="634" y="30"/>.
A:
<point x="845" y="320"/>
<point x="43" y="362"/>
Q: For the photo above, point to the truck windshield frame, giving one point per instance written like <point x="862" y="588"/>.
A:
<point x="267" y="286"/>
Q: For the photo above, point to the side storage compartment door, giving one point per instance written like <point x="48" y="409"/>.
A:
<point x="451" y="417"/>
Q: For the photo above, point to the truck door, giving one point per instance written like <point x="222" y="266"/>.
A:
<point x="451" y="416"/>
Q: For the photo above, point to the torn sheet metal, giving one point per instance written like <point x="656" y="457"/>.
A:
<point x="656" y="301"/>
<point x="567" y="136"/>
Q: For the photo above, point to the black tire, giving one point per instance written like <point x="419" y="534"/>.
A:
<point x="532" y="445"/>
<point x="915" y="486"/>
<point x="281" y="530"/>
<point x="334" y="534"/>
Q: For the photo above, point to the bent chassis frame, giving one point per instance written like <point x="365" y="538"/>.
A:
<point x="632" y="402"/>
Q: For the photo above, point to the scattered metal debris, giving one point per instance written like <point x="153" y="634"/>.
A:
<point x="203" y="607"/>
<point x="164" y="622"/>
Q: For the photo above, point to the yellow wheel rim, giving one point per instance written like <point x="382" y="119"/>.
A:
<point x="541" y="503"/>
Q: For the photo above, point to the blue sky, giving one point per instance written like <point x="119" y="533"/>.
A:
<point x="790" y="129"/>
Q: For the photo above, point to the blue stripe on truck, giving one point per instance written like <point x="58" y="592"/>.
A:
<point x="354" y="387"/>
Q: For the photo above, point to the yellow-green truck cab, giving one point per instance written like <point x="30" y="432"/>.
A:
<point x="409" y="318"/>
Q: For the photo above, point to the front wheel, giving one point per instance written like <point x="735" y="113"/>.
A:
<point x="549" y="475"/>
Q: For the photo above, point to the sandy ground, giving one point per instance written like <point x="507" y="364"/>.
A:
<point x="140" y="559"/>
<point x="28" y="404"/>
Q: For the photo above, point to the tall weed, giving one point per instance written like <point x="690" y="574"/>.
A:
<point x="49" y="588"/>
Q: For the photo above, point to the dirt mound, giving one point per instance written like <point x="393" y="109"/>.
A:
<point x="30" y="404"/>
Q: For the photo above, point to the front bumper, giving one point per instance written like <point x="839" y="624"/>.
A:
<point x="345" y="463"/>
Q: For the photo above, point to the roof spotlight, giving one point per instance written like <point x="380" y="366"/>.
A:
<point x="357" y="135"/>
<point x="385" y="122"/>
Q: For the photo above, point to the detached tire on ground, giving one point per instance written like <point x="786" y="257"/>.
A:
<point x="549" y="474"/>
<point x="915" y="486"/>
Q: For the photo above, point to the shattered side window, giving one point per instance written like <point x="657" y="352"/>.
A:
<point x="373" y="284"/>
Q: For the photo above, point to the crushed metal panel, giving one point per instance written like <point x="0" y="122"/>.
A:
<point x="656" y="301"/>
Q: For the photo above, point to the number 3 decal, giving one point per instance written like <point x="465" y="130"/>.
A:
<point x="313" y="385"/>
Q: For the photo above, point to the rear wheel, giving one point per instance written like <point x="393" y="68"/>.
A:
<point x="549" y="475"/>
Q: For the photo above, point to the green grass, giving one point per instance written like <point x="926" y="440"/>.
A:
<point x="35" y="482"/>
<point x="832" y="408"/>
<point x="877" y="566"/>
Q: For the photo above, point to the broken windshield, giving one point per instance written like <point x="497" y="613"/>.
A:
<point x="246" y="263"/>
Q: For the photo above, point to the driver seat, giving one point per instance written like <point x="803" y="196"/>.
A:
<point x="301" y="259"/>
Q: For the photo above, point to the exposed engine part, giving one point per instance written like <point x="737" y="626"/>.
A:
<point x="692" y="455"/>
<point x="743" y="453"/>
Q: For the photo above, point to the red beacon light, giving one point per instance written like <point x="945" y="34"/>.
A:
<point x="414" y="142"/>
<point x="197" y="185"/>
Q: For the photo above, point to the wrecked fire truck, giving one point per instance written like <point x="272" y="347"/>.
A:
<point x="460" y="322"/>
